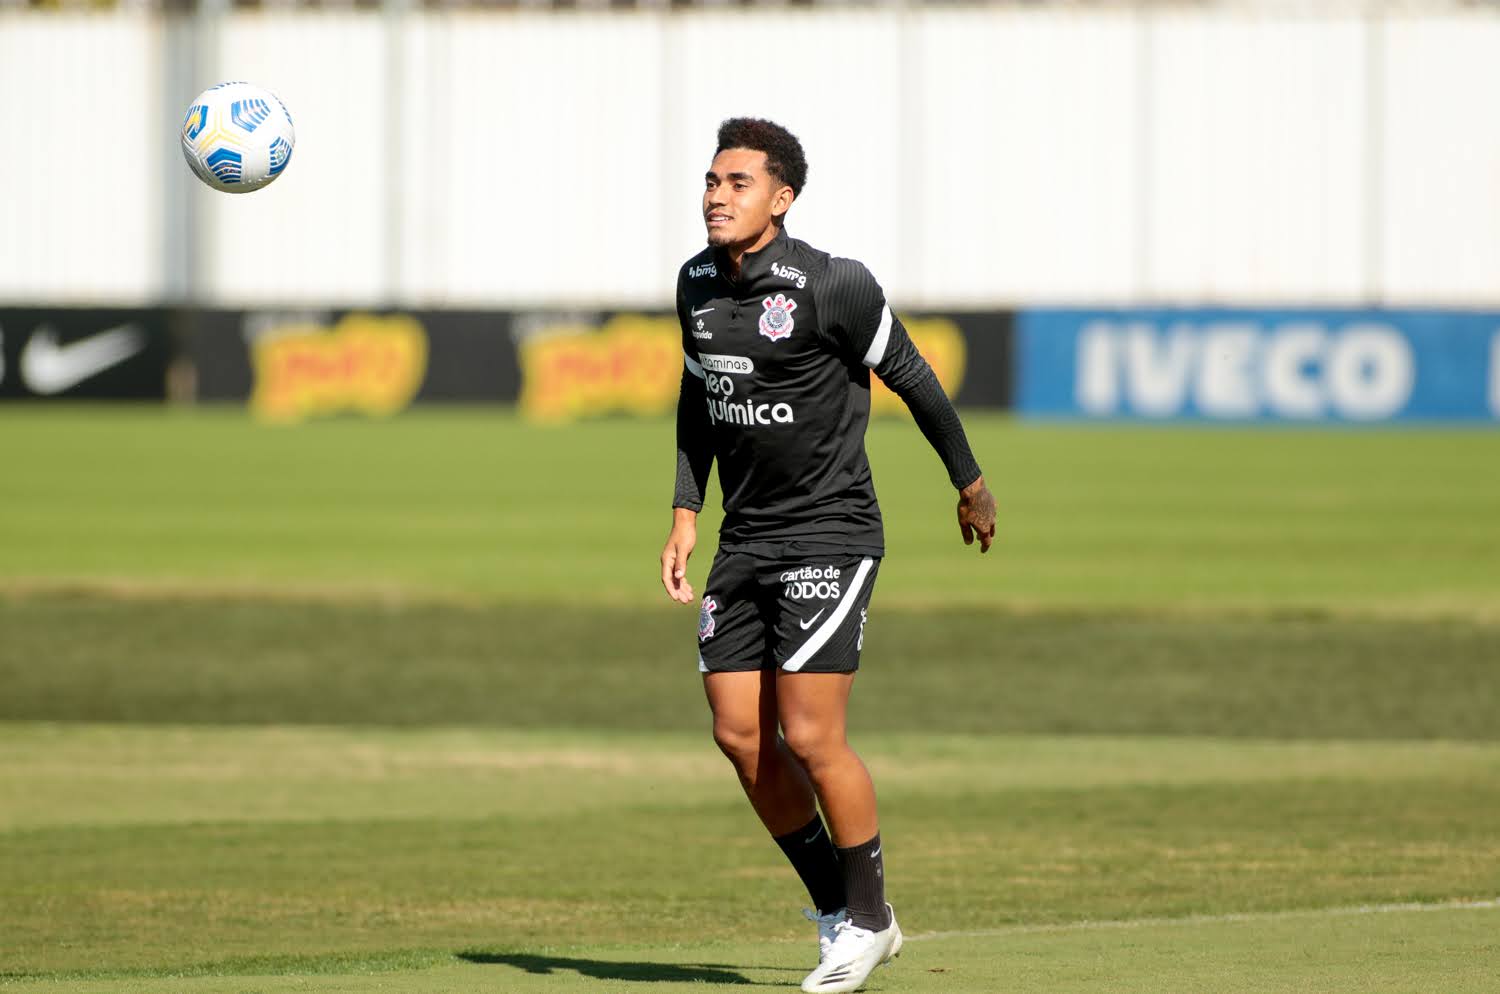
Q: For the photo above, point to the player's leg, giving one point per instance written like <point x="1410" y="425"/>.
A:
<point x="813" y="712"/>
<point x="741" y="692"/>
<point x="813" y="709"/>
<point x="744" y="713"/>
<point x="819" y="632"/>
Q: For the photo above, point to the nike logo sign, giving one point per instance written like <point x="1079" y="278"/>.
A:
<point x="811" y="621"/>
<point x="875" y="853"/>
<point x="813" y="836"/>
<point x="49" y="367"/>
<point x="704" y="311"/>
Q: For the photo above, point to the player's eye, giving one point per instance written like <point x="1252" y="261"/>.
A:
<point x="742" y="186"/>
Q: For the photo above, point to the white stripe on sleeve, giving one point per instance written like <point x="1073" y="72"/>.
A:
<point x="882" y="338"/>
<point x="692" y="365"/>
<point x="826" y="629"/>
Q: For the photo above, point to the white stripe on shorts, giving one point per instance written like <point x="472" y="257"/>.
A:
<point x="826" y="629"/>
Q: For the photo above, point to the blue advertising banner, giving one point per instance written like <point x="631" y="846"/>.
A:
<point x="1259" y="365"/>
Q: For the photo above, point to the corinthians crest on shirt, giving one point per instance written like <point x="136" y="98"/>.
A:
<point x="776" y="321"/>
<point x="706" y="619"/>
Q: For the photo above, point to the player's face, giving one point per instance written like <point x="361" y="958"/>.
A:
<point x="740" y="198"/>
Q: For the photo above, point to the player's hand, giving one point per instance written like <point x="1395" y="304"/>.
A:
<point x="675" y="556"/>
<point x="976" y="514"/>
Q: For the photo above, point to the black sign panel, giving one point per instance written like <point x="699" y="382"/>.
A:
<point x="455" y="356"/>
<point x="290" y="364"/>
<point x="989" y="337"/>
<point x="84" y="354"/>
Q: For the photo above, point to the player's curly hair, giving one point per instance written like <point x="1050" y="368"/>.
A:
<point x="784" y="158"/>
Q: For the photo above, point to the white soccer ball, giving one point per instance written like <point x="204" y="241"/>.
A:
<point x="237" y="137"/>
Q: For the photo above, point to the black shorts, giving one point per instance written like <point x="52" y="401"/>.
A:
<point x="803" y="616"/>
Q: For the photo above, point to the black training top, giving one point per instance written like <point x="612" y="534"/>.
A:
<point x="777" y="388"/>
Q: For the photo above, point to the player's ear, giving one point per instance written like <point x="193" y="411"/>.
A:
<point x="782" y="201"/>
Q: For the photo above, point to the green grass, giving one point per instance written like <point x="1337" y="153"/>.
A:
<point x="1392" y="952"/>
<point x="547" y="666"/>
<point x="176" y="848"/>
<point x="478" y="505"/>
<point x="365" y="707"/>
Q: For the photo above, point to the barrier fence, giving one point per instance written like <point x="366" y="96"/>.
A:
<point x="1302" y="365"/>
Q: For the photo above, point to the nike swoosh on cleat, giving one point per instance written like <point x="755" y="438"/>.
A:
<point x="703" y="311"/>
<point x="811" y="621"/>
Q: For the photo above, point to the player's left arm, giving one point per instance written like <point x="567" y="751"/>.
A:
<point x="864" y="323"/>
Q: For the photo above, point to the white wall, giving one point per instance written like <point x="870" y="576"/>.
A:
<point x="1256" y="184"/>
<point x="536" y="159"/>
<point x="1026" y="171"/>
<point x="321" y="235"/>
<point x="81" y="157"/>
<point x="971" y="157"/>
<point x="1440" y="160"/>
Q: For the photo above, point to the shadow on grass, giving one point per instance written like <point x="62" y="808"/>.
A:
<point x="685" y="973"/>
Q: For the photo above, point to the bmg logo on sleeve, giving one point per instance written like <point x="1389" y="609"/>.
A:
<point x="1248" y="365"/>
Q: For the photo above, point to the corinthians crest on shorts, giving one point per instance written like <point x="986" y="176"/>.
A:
<point x="706" y="619"/>
<point x="776" y="323"/>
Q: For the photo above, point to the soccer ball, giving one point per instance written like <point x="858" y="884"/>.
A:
<point x="237" y="137"/>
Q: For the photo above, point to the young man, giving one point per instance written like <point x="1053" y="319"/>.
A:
<point x="779" y="341"/>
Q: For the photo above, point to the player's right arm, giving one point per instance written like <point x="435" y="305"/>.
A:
<point x="695" y="457"/>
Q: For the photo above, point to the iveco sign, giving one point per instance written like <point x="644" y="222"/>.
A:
<point x="1239" y="366"/>
<point x="1240" y="370"/>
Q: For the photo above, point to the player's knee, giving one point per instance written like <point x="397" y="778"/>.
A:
<point x="811" y="744"/>
<point x="738" y="740"/>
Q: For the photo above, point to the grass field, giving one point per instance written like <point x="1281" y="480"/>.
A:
<point x="368" y="707"/>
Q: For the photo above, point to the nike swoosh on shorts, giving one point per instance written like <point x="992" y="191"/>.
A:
<point x="811" y="621"/>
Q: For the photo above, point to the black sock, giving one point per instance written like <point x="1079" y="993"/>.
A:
<point x="811" y="852"/>
<point x="864" y="883"/>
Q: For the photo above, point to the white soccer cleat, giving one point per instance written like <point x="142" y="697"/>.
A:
<point x="852" y="956"/>
<point x="826" y="925"/>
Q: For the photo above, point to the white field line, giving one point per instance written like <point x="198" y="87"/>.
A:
<point x="1191" y="920"/>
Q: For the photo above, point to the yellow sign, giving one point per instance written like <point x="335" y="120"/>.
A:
<point x="633" y="365"/>
<point x="365" y="364"/>
<point x="942" y="345"/>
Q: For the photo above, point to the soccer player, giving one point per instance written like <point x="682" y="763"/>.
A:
<point x="779" y="341"/>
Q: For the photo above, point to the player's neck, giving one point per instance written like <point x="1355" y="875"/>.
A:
<point x="736" y="253"/>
